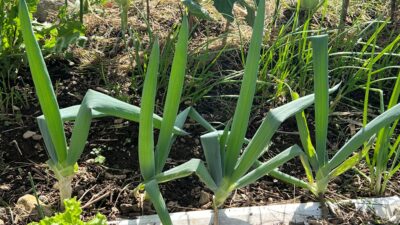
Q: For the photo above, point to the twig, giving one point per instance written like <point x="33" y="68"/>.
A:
<point x="17" y="146"/>
<point x="80" y="199"/>
<point x="96" y="198"/>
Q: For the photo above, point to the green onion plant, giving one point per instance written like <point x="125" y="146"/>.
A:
<point x="64" y="157"/>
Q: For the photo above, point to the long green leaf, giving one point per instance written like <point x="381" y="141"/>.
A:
<point x="101" y="105"/>
<point x="156" y="198"/>
<point x="212" y="152"/>
<point x="146" y="136"/>
<point x="192" y="166"/>
<point x="243" y="108"/>
<point x="174" y="93"/>
<point x="43" y="86"/>
<point x="268" y="166"/>
<point x="363" y="135"/>
<point x="321" y="86"/>
<point x="305" y="137"/>
<point x="267" y="129"/>
<point x="290" y="179"/>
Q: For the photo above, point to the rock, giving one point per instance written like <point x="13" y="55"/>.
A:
<point x="27" y="202"/>
<point x="5" y="187"/>
<point x="204" y="198"/>
<point x="27" y="207"/>
<point x="37" y="137"/>
<point x="1" y="222"/>
<point x="28" y="134"/>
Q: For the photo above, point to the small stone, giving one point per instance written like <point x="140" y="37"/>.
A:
<point x="126" y="208"/>
<point x="118" y="121"/>
<point x="5" y="187"/>
<point x="27" y="206"/>
<point x="204" y="198"/>
<point x="27" y="202"/>
<point x="43" y="198"/>
<point x="270" y="200"/>
<point x="90" y="161"/>
<point x="28" y="134"/>
<point x="37" y="137"/>
<point x="1" y="222"/>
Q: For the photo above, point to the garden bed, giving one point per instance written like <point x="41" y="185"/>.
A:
<point x="108" y="187"/>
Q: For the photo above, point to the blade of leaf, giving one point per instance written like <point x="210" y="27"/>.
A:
<point x="290" y="179"/>
<point x="321" y="86"/>
<point x="363" y="135"/>
<point x="192" y="166"/>
<point x="212" y="153"/>
<point x="267" y="129"/>
<point x="268" y="166"/>
<point x="43" y="86"/>
<point x="174" y="93"/>
<point x="247" y="90"/>
<point x="156" y="198"/>
<point x="146" y="136"/>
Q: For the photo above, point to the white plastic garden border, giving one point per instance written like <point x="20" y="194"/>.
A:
<point x="387" y="208"/>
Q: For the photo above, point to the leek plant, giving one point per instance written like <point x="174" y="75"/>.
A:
<point x="227" y="168"/>
<point x="152" y="158"/>
<point x="320" y="170"/>
<point x="384" y="161"/>
<point x="63" y="157"/>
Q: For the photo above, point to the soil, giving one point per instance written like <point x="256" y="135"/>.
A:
<point x="108" y="187"/>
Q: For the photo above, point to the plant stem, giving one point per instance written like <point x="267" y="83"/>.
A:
<point x="324" y="207"/>
<point x="216" y="215"/>
<point x="81" y="10"/>
<point x="41" y="214"/>
<point x="343" y="14"/>
<point x="64" y="185"/>
<point x="148" y="10"/>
